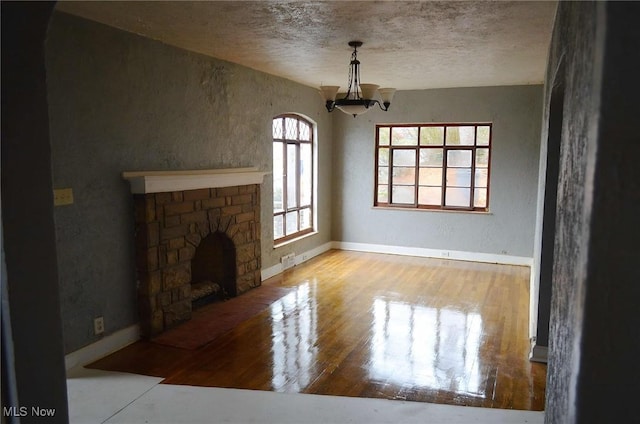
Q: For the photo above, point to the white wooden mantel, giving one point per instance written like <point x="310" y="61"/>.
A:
<point x="143" y="182"/>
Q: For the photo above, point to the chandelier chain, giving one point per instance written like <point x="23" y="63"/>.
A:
<point x="354" y="76"/>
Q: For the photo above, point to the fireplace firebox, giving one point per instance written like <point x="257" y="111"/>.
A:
<point x="194" y="245"/>
<point x="213" y="269"/>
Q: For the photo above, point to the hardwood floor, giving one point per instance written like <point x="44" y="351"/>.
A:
<point x="371" y="325"/>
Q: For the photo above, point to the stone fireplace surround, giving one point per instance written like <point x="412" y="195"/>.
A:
<point x="174" y="212"/>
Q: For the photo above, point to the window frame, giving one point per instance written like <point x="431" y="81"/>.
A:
<point x="445" y="149"/>
<point x="299" y="207"/>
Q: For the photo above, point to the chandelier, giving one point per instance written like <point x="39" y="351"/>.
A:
<point x="359" y="97"/>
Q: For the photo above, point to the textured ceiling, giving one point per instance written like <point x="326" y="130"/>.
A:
<point x="407" y="44"/>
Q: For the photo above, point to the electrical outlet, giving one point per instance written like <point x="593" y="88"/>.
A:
<point x="98" y="325"/>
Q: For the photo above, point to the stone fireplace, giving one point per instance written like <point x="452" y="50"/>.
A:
<point x="197" y="239"/>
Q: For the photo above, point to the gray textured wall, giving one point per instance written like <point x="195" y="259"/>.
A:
<point x="594" y="344"/>
<point x="119" y="102"/>
<point x="516" y="113"/>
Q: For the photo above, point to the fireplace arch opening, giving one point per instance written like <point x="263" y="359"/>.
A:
<point x="213" y="269"/>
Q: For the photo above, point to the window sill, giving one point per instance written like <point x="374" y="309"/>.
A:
<point x="293" y="240"/>
<point x="432" y="210"/>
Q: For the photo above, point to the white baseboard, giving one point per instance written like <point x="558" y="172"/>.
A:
<point x="539" y="353"/>
<point x="300" y="258"/>
<point x="435" y="253"/>
<point x="103" y="347"/>
<point x="316" y="251"/>
<point x="533" y="300"/>
<point x="267" y="273"/>
<point x="402" y="250"/>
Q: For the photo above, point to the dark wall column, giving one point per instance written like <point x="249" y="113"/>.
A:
<point x="594" y="344"/>
<point x="609" y="376"/>
<point x="27" y="216"/>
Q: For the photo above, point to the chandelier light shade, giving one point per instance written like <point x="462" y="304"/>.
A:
<point x="359" y="97"/>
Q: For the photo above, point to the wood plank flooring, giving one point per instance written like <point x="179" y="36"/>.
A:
<point x="371" y="325"/>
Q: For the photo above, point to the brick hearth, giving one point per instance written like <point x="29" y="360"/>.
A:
<point x="169" y="228"/>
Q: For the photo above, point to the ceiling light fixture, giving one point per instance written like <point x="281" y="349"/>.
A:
<point x="359" y="97"/>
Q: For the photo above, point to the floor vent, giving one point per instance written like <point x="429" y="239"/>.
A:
<point x="288" y="261"/>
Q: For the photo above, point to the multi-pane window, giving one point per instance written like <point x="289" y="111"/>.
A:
<point x="292" y="177"/>
<point x="433" y="166"/>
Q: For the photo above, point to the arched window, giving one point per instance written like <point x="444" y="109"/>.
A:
<point x="293" y="175"/>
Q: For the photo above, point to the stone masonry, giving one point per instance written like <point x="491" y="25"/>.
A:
<point x="169" y="228"/>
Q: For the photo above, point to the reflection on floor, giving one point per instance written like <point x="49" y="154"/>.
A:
<point x="375" y="326"/>
<point x="411" y="338"/>
<point x="97" y="397"/>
